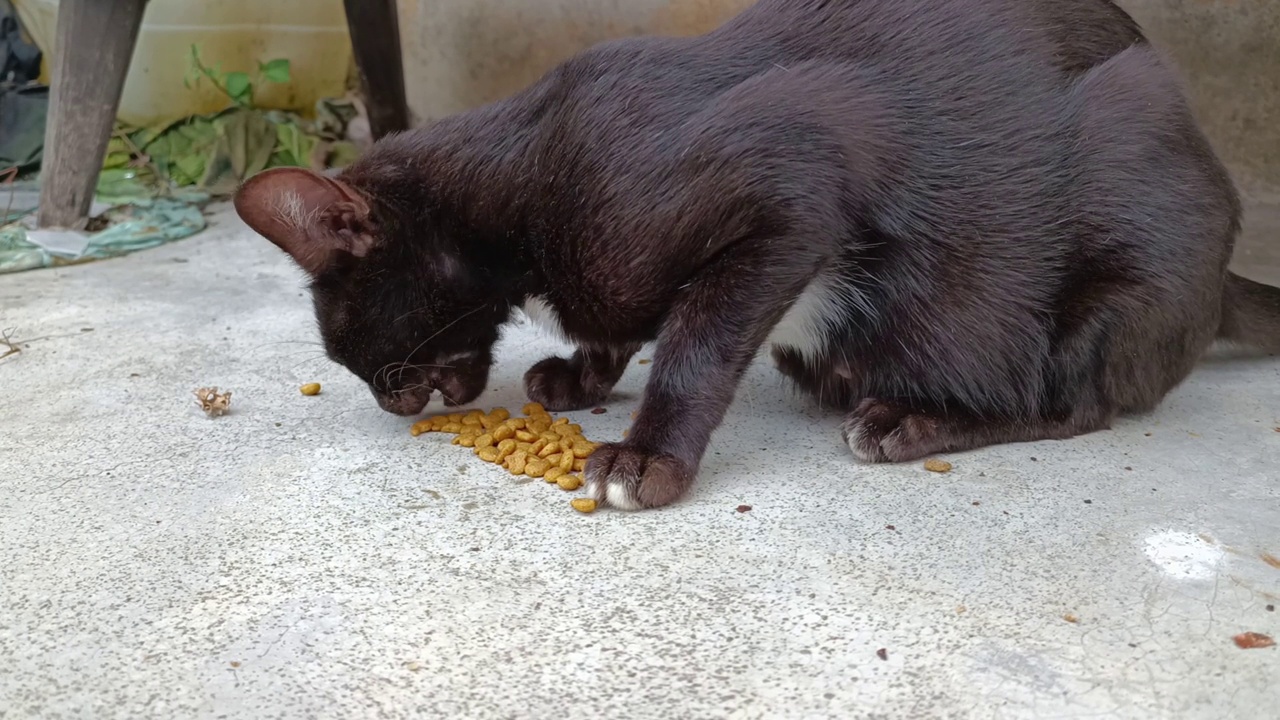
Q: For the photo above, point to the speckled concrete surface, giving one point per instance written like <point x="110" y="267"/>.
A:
<point x="306" y="557"/>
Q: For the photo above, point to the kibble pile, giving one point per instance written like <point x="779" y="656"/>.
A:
<point x="536" y="445"/>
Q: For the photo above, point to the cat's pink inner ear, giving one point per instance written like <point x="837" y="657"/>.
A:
<point x="306" y="214"/>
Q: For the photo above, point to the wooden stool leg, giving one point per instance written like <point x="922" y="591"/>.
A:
<point x="375" y="39"/>
<point x="94" y="46"/>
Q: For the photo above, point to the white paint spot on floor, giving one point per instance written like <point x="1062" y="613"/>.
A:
<point x="1184" y="555"/>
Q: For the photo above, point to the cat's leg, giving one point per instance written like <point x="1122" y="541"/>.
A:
<point x="581" y="381"/>
<point x="831" y="385"/>
<point x="888" y="430"/>
<point x="710" y="336"/>
<point x="1118" y="353"/>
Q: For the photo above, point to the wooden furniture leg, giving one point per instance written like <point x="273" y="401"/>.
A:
<point x="94" y="46"/>
<point x="375" y="39"/>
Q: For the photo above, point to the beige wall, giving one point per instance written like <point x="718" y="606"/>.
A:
<point x="461" y="53"/>
<point x="1228" y="53"/>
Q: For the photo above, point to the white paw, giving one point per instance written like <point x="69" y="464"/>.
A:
<point x="615" y="495"/>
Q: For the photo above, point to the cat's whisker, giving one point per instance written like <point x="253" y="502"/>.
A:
<point x="411" y="312"/>
<point x="304" y="362"/>
<point x="288" y="342"/>
<point x="433" y="335"/>
<point x="299" y="352"/>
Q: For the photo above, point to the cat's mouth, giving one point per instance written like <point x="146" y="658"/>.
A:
<point x="405" y="402"/>
<point x="455" y="387"/>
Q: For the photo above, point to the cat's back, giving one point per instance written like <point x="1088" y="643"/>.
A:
<point x="1070" y="35"/>
<point x="630" y="93"/>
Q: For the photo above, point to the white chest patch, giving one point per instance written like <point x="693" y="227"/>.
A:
<point x="540" y="313"/>
<point x="807" y="323"/>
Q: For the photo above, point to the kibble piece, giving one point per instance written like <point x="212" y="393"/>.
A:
<point x="465" y="440"/>
<point x="536" y="468"/>
<point x="538" y="426"/>
<point x="502" y="432"/>
<point x="488" y="454"/>
<point x="533" y="408"/>
<point x="500" y="414"/>
<point x="579" y="465"/>
<point x="452" y="427"/>
<point x="310" y="389"/>
<point x="553" y="474"/>
<point x="937" y="466"/>
<point x="569" y="482"/>
<point x="516" y="423"/>
<point x="567" y="461"/>
<point x="582" y="448"/>
<point x="537" y="446"/>
<point x="484" y="441"/>
<point x="422" y="426"/>
<point x="583" y="505"/>
<point x="525" y="436"/>
<point x="517" y="463"/>
<point x="548" y="449"/>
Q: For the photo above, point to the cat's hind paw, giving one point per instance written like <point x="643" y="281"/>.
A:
<point x="885" y="431"/>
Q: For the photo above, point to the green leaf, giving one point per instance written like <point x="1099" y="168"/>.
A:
<point x="188" y="169"/>
<point x="239" y="87"/>
<point x="276" y="71"/>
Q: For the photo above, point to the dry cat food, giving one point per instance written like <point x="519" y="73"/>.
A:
<point x="936" y="465"/>
<point x="583" y="505"/>
<point x="310" y="389"/>
<point x="536" y="445"/>
<point x="212" y="402"/>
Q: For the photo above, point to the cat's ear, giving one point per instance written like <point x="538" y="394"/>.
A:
<point x="308" y="215"/>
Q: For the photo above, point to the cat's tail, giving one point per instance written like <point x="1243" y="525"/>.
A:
<point x="1250" y="314"/>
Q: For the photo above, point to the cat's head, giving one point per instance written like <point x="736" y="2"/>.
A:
<point x="396" y="305"/>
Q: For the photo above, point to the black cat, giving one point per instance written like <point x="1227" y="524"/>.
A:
<point x="963" y="221"/>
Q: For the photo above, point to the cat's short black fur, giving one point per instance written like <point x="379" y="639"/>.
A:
<point x="964" y="222"/>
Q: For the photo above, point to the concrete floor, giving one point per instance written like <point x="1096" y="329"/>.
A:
<point x="306" y="557"/>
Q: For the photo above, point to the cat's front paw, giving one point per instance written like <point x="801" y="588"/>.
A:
<point x="558" y="385"/>
<point x="887" y="431"/>
<point x="629" y="478"/>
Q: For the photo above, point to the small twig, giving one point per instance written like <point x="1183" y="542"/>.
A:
<point x="12" y="347"/>
<point x="6" y="342"/>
